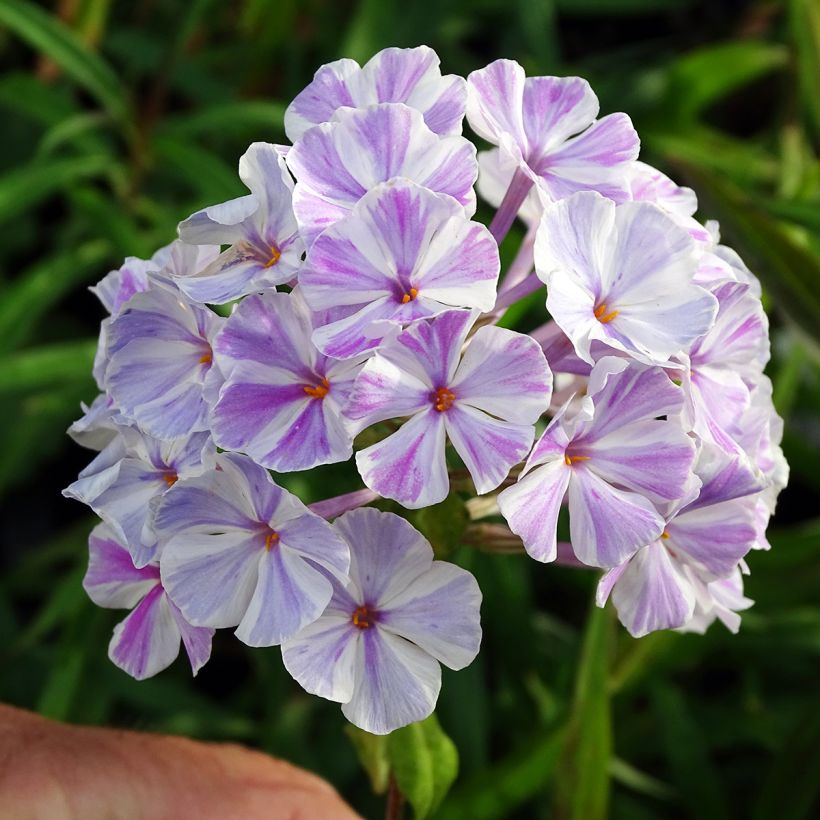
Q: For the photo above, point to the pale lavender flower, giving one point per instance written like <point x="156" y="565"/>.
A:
<point x="160" y="372"/>
<point x="238" y="550"/>
<point x="282" y="400"/>
<point x="99" y="424"/>
<point x="703" y="540"/>
<point x="338" y="162"/>
<point x="621" y="277"/>
<point x="147" y="641"/>
<point x="398" y="75"/>
<point x="377" y="647"/>
<point x="548" y="127"/>
<point x="717" y="600"/>
<point x="260" y="228"/>
<point x="403" y="254"/>
<point x="125" y="482"/>
<point x="614" y="459"/>
<point x="486" y="402"/>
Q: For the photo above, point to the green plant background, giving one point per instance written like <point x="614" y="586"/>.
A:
<point x="119" y="119"/>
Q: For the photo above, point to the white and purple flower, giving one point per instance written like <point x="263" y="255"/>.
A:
<point x="620" y="278"/>
<point x="238" y="550"/>
<point x="147" y="641"/>
<point x="394" y="75"/>
<point x="377" y="647"/>
<point x="486" y="402"/>
<point x="615" y="459"/>
<point x="282" y="400"/>
<point x="403" y="254"/>
<point x="260" y="228"/>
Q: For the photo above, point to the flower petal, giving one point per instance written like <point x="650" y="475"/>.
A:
<point x="409" y="466"/>
<point x="396" y="683"/>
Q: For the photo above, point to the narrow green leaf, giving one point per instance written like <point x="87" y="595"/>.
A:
<point x="31" y="184"/>
<point x="582" y="780"/>
<point x="77" y="127"/>
<point x="788" y="269"/>
<point x="29" y="297"/>
<point x="263" y="120"/>
<point x="627" y="775"/>
<point x="49" y="36"/>
<point x="64" y="363"/>
<point x="424" y="762"/>
<point x="693" y="770"/>
<point x="372" y="753"/>
<point x="497" y="792"/>
<point x="704" y="76"/>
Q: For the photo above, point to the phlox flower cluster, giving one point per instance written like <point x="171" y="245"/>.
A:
<point x="347" y="309"/>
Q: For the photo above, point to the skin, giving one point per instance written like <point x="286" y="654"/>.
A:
<point x="53" y="771"/>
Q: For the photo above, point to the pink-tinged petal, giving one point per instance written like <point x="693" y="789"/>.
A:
<point x="387" y="554"/>
<point x="596" y="160"/>
<point x="218" y="224"/>
<point x="531" y="508"/>
<point x="653" y="458"/>
<point x="289" y="594"/>
<point x="555" y="109"/>
<point x="409" y="465"/>
<point x="439" y="612"/>
<point x="653" y="593"/>
<point x="608" y="525"/>
<point x="504" y="373"/>
<point x="196" y="639"/>
<point x="488" y="446"/>
<point x="111" y="579"/>
<point x="495" y="102"/>
<point x="147" y="641"/>
<point x="318" y="102"/>
<point x="321" y="657"/>
<point x="385" y="390"/>
<point x="396" y="683"/>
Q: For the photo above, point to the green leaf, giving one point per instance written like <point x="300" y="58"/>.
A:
<point x="49" y="365"/>
<point x="49" y="36"/>
<point x="789" y="270"/>
<point x="262" y="119"/>
<point x="77" y="127"/>
<point x="805" y="29"/>
<point x="640" y="782"/>
<point x="31" y="296"/>
<point x="372" y="753"/>
<point x="694" y="771"/>
<point x="424" y="762"/>
<point x="27" y="186"/>
<point x="582" y="780"/>
<point x="702" y="77"/>
<point x="497" y="792"/>
<point x="212" y="178"/>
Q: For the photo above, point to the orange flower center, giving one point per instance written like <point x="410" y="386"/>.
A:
<point x="363" y="617"/>
<point x="320" y="390"/>
<point x="275" y="255"/>
<point x="443" y="399"/>
<point x="408" y="297"/>
<point x="170" y="478"/>
<point x="271" y="539"/>
<point x="602" y="316"/>
<point x="570" y="460"/>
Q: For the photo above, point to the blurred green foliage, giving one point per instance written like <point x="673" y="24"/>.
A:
<point x="119" y="119"/>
